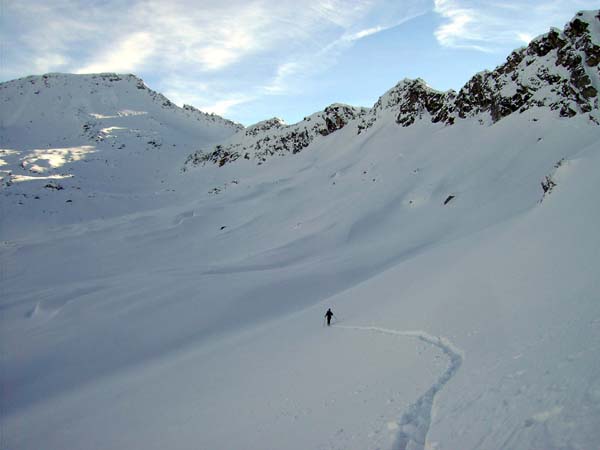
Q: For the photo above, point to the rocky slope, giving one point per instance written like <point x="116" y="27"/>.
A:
<point x="274" y="137"/>
<point x="558" y="70"/>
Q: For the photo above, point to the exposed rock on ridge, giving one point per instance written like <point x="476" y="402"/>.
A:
<point x="274" y="137"/>
<point x="410" y="100"/>
<point x="557" y="70"/>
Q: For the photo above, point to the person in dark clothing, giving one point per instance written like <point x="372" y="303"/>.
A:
<point x="328" y="316"/>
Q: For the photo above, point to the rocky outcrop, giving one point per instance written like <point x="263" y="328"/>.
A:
<point x="409" y="101"/>
<point x="557" y="70"/>
<point x="273" y="137"/>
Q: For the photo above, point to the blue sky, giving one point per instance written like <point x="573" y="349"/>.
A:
<point x="255" y="59"/>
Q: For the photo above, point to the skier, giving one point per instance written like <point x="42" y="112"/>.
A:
<point x="329" y="315"/>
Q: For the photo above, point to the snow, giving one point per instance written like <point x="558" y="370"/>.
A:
<point x="183" y="310"/>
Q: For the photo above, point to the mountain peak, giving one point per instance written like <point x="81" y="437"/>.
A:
<point x="558" y="69"/>
<point x="54" y="122"/>
<point x="408" y="101"/>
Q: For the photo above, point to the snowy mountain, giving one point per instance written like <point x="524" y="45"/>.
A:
<point x="558" y="70"/>
<point x="148" y="307"/>
<point x="274" y="137"/>
<point x="93" y="138"/>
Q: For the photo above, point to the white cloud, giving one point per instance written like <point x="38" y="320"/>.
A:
<point x="50" y="61"/>
<point x="285" y="70"/>
<point x="128" y="56"/>
<point x="230" y="46"/>
<point x="524" y="37"/>
<point x="492" y="26"/>
<point x="221" y="107"/>
<point x="304" y="64"/>
<point x="457" y="28"/>
<point x="364" y="33"/>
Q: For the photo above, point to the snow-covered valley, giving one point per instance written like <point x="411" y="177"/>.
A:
<point x="152" y="299"/>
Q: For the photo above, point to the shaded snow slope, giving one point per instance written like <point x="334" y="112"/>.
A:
<point x="168" y="306"/>
<point x="184" y="310"/>
<point x="100" y="141"/>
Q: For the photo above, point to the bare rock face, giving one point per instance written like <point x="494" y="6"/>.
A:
<point x="411" y="100"/>
<point x="557" y="70"/>
<point x="273" y="137"/>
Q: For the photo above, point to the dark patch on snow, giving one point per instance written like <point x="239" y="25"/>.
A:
<point x="449" y="199"/>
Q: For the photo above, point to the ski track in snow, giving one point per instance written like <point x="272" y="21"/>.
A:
<point x="415" y="422"/>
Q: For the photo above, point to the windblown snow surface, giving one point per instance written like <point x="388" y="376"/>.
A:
<point x="143" y="307"/>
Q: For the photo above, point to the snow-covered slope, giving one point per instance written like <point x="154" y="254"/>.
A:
<point x="460" y="261"/>
<point x="558" y="70"/>
<point x="274" y="137"/>
<point x="88" y="139"/>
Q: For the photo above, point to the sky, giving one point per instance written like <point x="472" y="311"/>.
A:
<point x="249" y="60"/>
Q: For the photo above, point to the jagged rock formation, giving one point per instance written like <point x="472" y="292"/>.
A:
<point x="409" y="100"/>
<point x="274" y="137"/>
<point x="557" y="70"/>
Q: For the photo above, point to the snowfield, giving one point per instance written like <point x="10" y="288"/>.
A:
<point x="147" y="307"/>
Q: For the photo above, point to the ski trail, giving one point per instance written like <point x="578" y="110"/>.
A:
<point x="415" y="422"/>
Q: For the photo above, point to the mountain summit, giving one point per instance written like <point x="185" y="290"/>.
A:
<point x="93" y="138"/>
<point x="558" y="70"/>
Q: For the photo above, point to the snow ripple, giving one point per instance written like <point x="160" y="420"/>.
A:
<point x="415" y="422"/>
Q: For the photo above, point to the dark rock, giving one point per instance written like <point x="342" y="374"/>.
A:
<point x="449" y="199"/>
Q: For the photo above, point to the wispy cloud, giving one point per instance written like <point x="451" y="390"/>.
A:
<point x="291" y="74"/>
<point x="232" y="46"/>
<point x="364" y="33"/>
<point x="491" y="26"/>
<point x="127" y="56"/>
<point x="220" y="55"/>
<point x="222" y="106"/>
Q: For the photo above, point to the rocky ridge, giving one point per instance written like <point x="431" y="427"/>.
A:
<point x="558" y="70"/>
<point x="274" y="137"/>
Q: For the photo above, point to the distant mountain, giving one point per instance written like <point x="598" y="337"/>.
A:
<point x="558" y="70"/>
<point x="83" y="104"/>
<point x="94" y="136"/>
